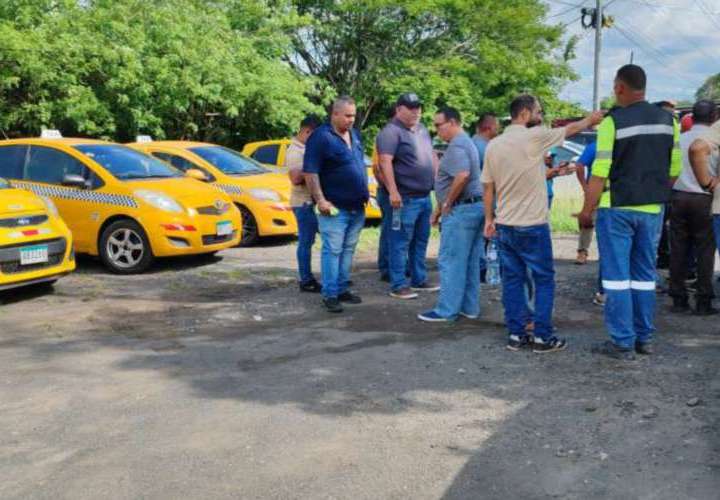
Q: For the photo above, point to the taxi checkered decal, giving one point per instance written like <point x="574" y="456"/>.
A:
<point x="78" y="194"/>
<point x="229" y="189"/>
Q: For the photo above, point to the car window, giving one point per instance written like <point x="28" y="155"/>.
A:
<point x="12" y="160"/>
<point x="563" y="154"/>
<point x="125" y="163"/>
<point x="228" y="161"/>
<point x="267" y="154"/>
<point x="181" y="163"/>
<point x="50" y="165"/>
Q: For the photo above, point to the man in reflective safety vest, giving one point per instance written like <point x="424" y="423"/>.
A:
<point x="638" y="159"/>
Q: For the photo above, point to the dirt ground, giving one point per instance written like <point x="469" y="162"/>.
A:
<point x="215" y="378"/>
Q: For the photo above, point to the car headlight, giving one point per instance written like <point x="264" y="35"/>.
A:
<point x="158" y="200"/>
<point x="265" y="194"/>
<point x="51" y="208"/>
<point x="372" y="181"/>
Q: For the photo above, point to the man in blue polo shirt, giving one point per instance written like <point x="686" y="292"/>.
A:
<point x="334" y="170"/>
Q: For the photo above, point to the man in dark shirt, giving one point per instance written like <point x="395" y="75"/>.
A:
<point x="334" y="170"/>
<point x="406" y="159"/>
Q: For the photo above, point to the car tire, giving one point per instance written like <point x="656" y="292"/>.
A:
<point x="250" y="235"/>
<point x="124" y="248"/>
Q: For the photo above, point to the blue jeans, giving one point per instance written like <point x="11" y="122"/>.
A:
<point x="716" y="229"/>
<point x="307" y="229"/>
<point x="627" y="240"/>
<point x="383" y="261"/>
<point x="461" y="247"/>
<point x="523" y="248"/>
<point x="408" y="245"/>
<point x="340" y="234"/>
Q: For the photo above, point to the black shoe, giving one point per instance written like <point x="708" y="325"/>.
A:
<point x="680" y="305"/>
<point x="350" y="283"/>
<point x="517" y="342"/>
<point x="483" y="276"/>
<point x="703" y="307"/>
<point x="349" y="297"/>
<point x="551" y="344"/>
<point x="385" y="278"/>
<point x="645" y="348"/>
<point x="310" y="287"/>
<point x="610" y="350"/>
<point x="332" y="304"/>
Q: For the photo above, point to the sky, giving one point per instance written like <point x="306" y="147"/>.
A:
<point x="675" y="41"/>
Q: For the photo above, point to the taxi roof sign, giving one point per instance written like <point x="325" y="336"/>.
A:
<point x="143" y="138"/>
<point x="50" y="133"/>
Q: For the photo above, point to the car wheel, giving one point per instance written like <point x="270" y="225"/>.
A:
<point x="125" y="248"/>
<point x="250" y="234"/>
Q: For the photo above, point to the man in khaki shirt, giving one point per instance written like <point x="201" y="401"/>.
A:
<point x="302" y="204"/>
<point x="510" y="171"/>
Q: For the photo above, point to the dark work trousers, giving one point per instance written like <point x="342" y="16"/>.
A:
<point x="691" y="223"/>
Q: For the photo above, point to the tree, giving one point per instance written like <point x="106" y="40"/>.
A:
<point x="473" y="54"/>
<point x="169" y="68"/>
<point x="710" y="89"/>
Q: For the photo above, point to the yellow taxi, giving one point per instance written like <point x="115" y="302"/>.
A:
<point x="273" y="153"/>
<point x="120" y="204"/>
<point x="262" y="196"/>
<point x="35" y="243"/>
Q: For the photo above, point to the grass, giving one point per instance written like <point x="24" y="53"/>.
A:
<point x="561" y="221"/>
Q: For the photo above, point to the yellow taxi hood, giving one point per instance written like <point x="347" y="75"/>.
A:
<point x="183" y="189"/>
<point x="19" y="202"/>
<point x="276" y="182"/>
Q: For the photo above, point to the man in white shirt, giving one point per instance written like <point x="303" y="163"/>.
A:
<point x="691" y="222"/>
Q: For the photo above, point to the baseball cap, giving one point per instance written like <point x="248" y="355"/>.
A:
<point x="409" y="100"/>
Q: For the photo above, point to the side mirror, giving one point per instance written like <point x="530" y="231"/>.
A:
<point x="196" y="174"/>
<point x="77" y="181"/>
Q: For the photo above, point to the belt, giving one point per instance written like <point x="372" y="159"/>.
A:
<point x="472" y="199"/>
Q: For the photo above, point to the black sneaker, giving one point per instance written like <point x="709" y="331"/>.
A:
<point x="425" y="287"/>
<point x="680" y="305"/>
<point x="517" y="342"/>
<point x="644" y="348"/>
<point x="349" y="297"/>
<point x="332" y="304"/>
<point x="311" y="287"/>
<point x="385" y="278"/>
<point x="551" y="344"/>
<point x="610" y="350"/>
<point x="703" y="307"/>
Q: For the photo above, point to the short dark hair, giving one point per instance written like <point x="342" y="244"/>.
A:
<point x="521" y="103"/>
<point x="633" y="76"/>
<point x="450" y="113"/>
<point x="310" y="121"/>
<point x="485" y="119"/>
<point x="704" y="111"/>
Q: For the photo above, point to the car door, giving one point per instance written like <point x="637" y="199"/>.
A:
<point x="45" y="168"/>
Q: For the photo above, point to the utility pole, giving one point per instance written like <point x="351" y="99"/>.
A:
<point x="598" y="25"/>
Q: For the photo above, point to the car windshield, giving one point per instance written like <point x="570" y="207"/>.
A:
<point x="4" y="184"/>
<point x="125" y="163"/>
<point x="228" y="161"/>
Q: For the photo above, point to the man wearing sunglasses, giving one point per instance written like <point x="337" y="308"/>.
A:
<point x="459" y="203"/>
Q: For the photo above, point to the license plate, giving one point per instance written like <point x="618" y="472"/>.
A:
<point x="224" y="228"/>
<point x="33" y="255"/>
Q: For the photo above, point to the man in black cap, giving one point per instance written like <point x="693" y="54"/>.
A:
<point x="408" y="166"/>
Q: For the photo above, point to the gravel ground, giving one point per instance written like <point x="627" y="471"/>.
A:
<point x="214" y="378"/>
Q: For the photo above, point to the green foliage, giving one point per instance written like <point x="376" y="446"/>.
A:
<point x="231" y="71"/>
<point x="475" y="55"/>
<point x="169" y="68"/>
<point x="710" y="89"/>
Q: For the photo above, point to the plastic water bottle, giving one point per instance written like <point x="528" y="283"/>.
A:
<point x="396" y="219"/>
<point x="493" y="264"/>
